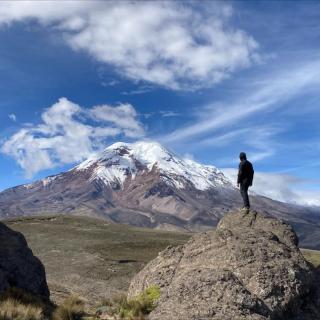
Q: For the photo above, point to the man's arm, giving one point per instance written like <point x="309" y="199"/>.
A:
<point x="252" y="176"/>
<point x="240" y="173"/>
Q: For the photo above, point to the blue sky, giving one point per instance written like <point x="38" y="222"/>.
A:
<point x="206" y="79"/>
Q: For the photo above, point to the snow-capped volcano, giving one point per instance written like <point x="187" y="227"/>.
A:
<point x="122" y="160"/>
<point x="141" y="184"/>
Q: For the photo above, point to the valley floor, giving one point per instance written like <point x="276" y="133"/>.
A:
<point x="89" y="257"/>
<point x="94" y="259"/>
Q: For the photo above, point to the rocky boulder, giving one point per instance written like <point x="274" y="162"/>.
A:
<point x="248" y="268"/>
<point x="18" y="266"/>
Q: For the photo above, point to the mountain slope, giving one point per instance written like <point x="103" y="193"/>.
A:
<point x="141" y="184"/>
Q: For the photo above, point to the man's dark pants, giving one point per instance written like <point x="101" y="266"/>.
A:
<point x="244" y="193"/>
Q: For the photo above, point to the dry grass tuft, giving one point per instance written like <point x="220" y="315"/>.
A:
<point x="14" y="310"/>
<point x="71" y="309"/>
<point x="17" y="304"/>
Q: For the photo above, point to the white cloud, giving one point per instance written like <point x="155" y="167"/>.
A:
<point x="260" y="96"/>
<point x="281" y="187"/>
<point x="188" y="156"/>
<point x="169" y="113"/>
<point x="13" y="117"/>
<point x="223" y="139"/>
<point x="109" y="83"/>
<point x="141" y="90"/>
<point x="258" y="141"/>
<point x="172" y="44"/>
<point x="64" y="135"/>
<point x="122" y="116"/>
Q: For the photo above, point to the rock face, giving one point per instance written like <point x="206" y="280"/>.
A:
<point x="18" y="266"/>
<point x="249" y="268"/>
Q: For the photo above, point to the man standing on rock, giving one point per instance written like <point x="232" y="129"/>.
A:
<point x="245" y="178"/>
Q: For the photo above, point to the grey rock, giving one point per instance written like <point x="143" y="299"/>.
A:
<point x="18" y="266"/>
<point x="248" y="268"/>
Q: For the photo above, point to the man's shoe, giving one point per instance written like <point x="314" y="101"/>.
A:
<point x="245" y="210"/>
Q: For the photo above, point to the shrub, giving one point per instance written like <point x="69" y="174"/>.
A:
<point x="71" y="309"/>
<point x="136" y="308"/>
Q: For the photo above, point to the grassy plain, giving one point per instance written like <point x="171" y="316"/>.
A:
<point x="93" y="259"/>
<point x="90" y="257"/>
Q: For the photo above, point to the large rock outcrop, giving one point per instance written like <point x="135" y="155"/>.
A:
<point x="18" y="266"/>
<point x="248" y="268"/>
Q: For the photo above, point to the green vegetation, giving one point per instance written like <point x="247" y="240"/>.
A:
<point x="131" y="309"/>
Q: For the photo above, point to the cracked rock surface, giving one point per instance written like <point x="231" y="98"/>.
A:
<point x="250" y="267"/>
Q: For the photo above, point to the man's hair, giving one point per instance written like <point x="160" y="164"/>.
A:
<point x="243" y="156"/>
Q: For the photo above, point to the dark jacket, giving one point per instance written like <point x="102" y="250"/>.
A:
<point x="245" y="174"/>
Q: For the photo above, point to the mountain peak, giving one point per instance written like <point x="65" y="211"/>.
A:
<point x="145" y="150"/>
<point x="141" y="143"/>
<point x="118" y="145"/>
<point x="120" y="160"/>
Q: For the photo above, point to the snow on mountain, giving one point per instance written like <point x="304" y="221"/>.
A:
<point x="121" y="160"/>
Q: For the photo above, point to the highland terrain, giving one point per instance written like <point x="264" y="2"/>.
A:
<point x="94" y="259"/>
<point x="137" y="218"/>
<point x="144" y="184"/>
